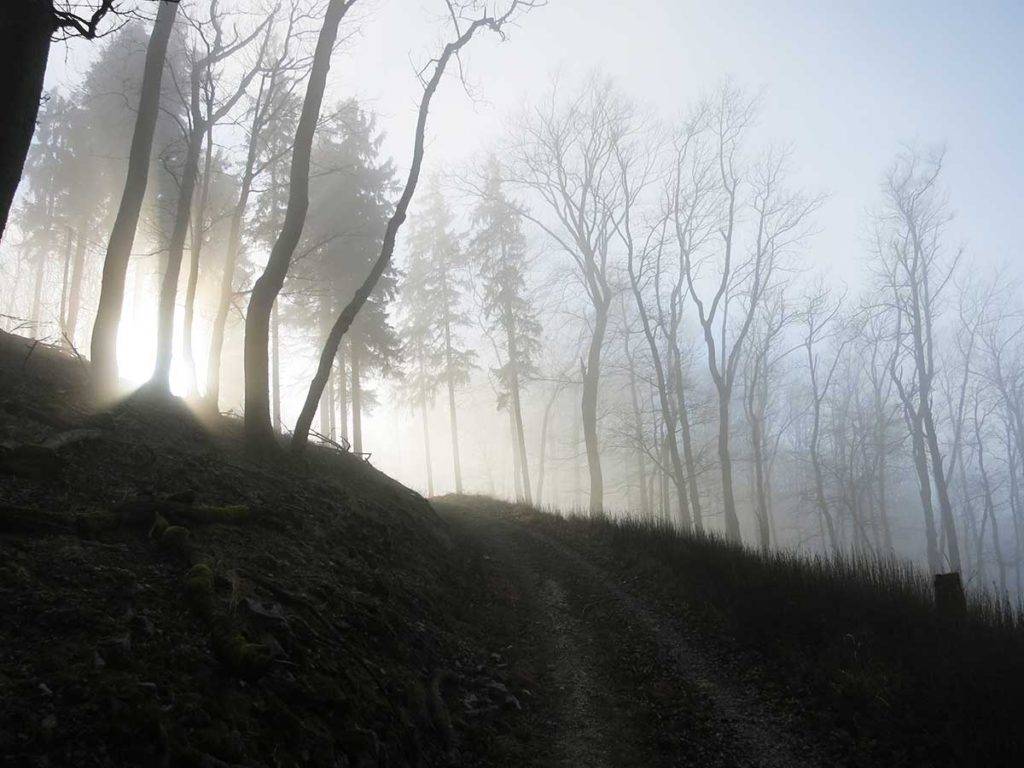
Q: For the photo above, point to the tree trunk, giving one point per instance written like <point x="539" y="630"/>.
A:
<point x="638" y="437"/>
<point x="760" y="497"/>
<point x="122" y="236"/>
<point x="426" y="444"/>
<point x="36" y="312"/>
<point x="453" y="423"/>
<point x="688" y="453"/>
<point x="971" y="531"/>
<point x="665" y="399"/>
<point x="577" y="485"/>
<point x="820" y="500"/>
<point x="329" y="411"/>
<point x="517" y="415"/>
<point x="342" y="389"/>
<point x="1014" y="499"/>
<point x="64" y="283"/>
<point x="276" y="377"/>
<point x="732" y="522"/>
<point x="925" y="489"/>
<point x="193" y="266"/>
<point x="539" y="497"/>
<point x="258" y="428"/>
<point x="517" y="468"/>
<point x="883" y="501"/>
<point x="942" y="488"/>
<point x="990" y="511"/>
<point x="362" y="294"/>
<point x="333" y="421"/>
<point x="324" y="409"/>
<point x="665" y="481"/>
<point x="357" y="396"/>
<point x="161" y="380"/>
<point x="75" y="288"/>
<point x="227" y="280"/>
<point x="588" y="409"/>
<point x="25" y="29"/>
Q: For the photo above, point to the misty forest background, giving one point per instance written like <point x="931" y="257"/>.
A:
<point x="609" y="308"/>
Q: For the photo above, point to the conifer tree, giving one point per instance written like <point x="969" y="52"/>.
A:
<point x="432" y="292"/>
<point x="498" y="249"/>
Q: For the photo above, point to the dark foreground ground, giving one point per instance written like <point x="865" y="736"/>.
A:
<point x="166" y="601"/>
<point x="648" y="648"/>
<point x="609" y="680"/>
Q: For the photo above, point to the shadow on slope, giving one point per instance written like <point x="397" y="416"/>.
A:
<point x="853" y="648"/>
<point x="167" y="601"/>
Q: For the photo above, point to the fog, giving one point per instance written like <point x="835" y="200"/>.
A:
<point x="748" y="270"/>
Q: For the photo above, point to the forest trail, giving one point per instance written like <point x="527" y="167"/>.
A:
<point x="621" y="685"/>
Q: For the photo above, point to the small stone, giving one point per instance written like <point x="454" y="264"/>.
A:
<point x="45" y="689"/>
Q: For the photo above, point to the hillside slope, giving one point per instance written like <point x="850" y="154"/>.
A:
<point x="657" y="649"/>
<point x="166" y="601"/>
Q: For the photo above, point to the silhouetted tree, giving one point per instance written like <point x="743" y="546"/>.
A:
<point x="468" y="19"/>
<point x="205" y="110"/>
<point x="122" y="235"/>
<point x="563" y="155"/>
<point x="498" y="249"/>
<point x="433" y="294"/>
<point x="258" y="427"/>
<point x="26" y="30"/>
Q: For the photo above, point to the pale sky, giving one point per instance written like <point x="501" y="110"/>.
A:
<point x="844" y="83"/>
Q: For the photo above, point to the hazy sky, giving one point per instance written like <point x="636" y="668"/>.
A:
<point x="844" y="83"/>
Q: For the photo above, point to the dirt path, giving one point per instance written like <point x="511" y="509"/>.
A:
<point x="621" y="685"/>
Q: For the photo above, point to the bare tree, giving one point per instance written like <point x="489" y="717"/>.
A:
<point x="258" y="426"/>
<point x="760" y="374"/>
<point x="465" y="30"/>
<point x="563" y="155"/>
<point x="269" y="104"/>
<point x="26" y="31"/>
<point x="122" y="236"/>
<point x="727" y="285"/>
<point x="204" y="112"/>
<point x="643" y="266"/>
<point x="916" y="270"/>
<point x="818" y="319"/>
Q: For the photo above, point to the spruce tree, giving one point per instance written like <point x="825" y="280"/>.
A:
<point x="433" y="289"/>
<point x="498" y="250"/>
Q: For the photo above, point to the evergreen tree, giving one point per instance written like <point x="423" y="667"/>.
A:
<point x="45" y="190"/>
<point x="350" y="191"/>
<point x="498" y="249"/>
<point x="433" y="290"/>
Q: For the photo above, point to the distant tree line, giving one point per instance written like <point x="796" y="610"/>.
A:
<point x="637" y="301"/>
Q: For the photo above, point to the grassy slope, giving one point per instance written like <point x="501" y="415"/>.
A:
<point x="311" y="632"/>
<point x="855" y="650"/>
